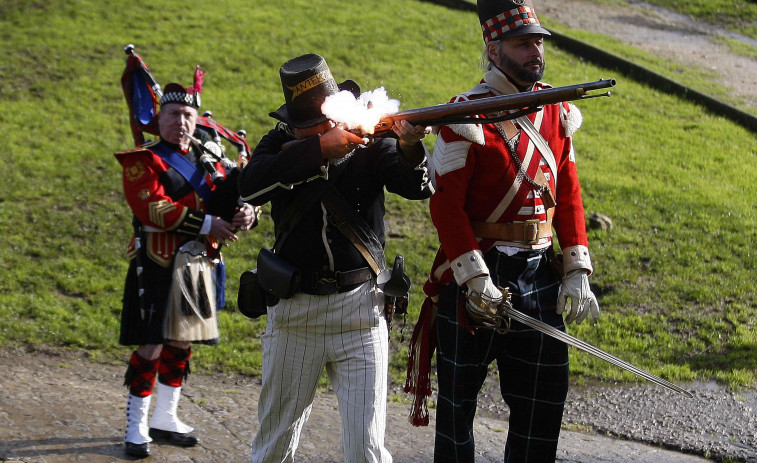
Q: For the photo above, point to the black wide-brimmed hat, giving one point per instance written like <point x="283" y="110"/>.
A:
<point x="190" y="96"/>
<point x="307" y="81"/>
<point x="508" y="18"/>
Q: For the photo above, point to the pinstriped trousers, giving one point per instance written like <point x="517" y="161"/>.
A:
<point x="343" y="333"/>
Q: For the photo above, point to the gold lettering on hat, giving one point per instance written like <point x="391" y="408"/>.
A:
<point x="310" y="83"/>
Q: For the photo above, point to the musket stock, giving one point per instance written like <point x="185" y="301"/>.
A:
<point x="522" y="103"/>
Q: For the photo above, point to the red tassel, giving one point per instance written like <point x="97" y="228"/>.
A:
<point x="198" y="81"/>
<point x="422" y="347"/>
<point x="462" y="316"/>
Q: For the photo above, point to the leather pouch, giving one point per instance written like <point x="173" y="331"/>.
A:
<point x="251" y="298"/>
<point x="277" y="276"/>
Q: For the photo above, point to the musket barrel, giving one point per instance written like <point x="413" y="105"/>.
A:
<point x="435" y="115"/>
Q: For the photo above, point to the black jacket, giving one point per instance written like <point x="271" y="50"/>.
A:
<point x="280" y="176"/>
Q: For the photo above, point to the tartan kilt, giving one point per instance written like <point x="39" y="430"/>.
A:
<point x="533" y="367"/>
<point x="138" y="330"/>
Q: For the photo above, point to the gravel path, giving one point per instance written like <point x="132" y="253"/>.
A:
<point x="57" y="407"/>
<point x="716" y="423"/>
<point x="660" y="32"/>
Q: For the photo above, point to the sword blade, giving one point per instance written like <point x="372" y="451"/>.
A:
<point x="551" y="331"/>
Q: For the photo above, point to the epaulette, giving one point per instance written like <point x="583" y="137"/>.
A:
<point x="138" y="149"/>
<point x="471" y="132"/>
<point x="571" y="118"/>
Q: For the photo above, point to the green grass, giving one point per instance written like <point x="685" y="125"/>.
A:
<point x="675" y="276"/>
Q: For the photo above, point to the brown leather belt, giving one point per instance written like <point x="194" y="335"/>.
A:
<point x="528" y="232"/>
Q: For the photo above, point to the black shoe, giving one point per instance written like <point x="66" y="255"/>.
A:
<point x="176" y="438"/>
<point x="138" y="450"/>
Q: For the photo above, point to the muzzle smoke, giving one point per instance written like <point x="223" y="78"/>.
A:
<point x="361" y="113"/>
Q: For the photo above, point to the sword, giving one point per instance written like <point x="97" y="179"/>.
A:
<point x="506" y="308"/>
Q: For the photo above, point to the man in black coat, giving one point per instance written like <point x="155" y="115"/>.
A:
<point x="326" y="189"/>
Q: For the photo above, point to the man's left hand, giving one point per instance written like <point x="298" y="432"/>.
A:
<point x="575" y="288"/>
<point x="246" y="217"/>
<point x="409" y="134"/>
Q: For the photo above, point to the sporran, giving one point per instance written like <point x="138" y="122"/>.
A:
<point x="192" y="303"/>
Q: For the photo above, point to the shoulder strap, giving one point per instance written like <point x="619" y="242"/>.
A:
<point x="189" y="171"/>
<point x="539" y="141"/>
<point x="356" y="230"/>
<point x="303" y="202"/>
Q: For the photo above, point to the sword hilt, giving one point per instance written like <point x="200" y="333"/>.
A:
<point x="488" y="312"/>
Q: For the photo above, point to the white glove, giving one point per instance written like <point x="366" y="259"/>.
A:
<point x="575" y="287"/>
<point x="484" y="286"/>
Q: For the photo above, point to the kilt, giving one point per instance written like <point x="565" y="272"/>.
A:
<point x="138" y="330"/>
<point x="533" y="367"/>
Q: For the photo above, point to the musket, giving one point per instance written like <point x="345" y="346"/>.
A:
<point x="505" y="309"/>
<point x="514" y="105"/>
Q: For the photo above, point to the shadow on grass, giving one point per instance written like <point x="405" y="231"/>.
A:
<point x="461" y="5"/>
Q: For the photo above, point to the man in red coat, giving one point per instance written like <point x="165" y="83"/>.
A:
<point x="503" y="189"/>
<point x="181" y="219"/>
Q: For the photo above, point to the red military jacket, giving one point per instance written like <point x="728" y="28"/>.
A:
<point x="152" y="192"/>
<point x="478" y="181"/>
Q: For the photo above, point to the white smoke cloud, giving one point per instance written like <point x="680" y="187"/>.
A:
<point x="361" y="113"/>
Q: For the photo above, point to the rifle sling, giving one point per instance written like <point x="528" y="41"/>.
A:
<point x="347" y="220"/>
<point x="356" y="230"/>
<point x="308" y="196"/>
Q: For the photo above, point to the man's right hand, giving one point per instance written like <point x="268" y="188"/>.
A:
<point x="337" y="143"/>
<point x="484" y="286"/>
<point x="222" y="230"/>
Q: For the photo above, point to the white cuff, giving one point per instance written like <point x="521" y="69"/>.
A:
<point x="576" y="257"/>
<point x="469" y="265"/>
<point x="205" y="229"/>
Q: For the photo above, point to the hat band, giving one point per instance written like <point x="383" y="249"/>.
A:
<point x="508" y="21"/>
<point x="180" y="98"/>
<point x="310" y="83"/>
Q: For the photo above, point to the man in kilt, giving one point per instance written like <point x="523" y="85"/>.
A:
<point x="170" y="296"/>
<point x="501" y="188"/>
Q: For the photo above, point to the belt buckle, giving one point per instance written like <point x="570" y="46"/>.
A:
<point x="337" y="274"/>
<point x="531" y="231"/>
<point x="323" y="281"/>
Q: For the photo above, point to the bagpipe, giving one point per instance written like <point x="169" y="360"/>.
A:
<point x="143" y="93"/>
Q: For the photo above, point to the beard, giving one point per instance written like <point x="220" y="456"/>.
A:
<point x="518" y="72"/>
